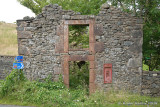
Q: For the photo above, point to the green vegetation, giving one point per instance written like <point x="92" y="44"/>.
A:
<point x="16" y="89"/>
<point x="82" y="6"/>
<point x="79" y="75"/>
<point x="8" y="39"/>
<point x="146" y="68"/>
<point x="78" y="36"/>
<point x="151" y="42"/>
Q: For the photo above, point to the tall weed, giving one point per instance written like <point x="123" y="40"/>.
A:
<point x="15" y="77"/>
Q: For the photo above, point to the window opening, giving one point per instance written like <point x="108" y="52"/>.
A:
<point x="78" y="37"/>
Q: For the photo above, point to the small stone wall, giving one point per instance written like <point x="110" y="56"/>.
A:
<point x="6" y="63"/>
<point x="151" y="83"/>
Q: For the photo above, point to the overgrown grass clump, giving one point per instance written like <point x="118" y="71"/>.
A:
<point x="15" y="89"/>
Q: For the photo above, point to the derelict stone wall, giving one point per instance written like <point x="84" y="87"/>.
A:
<point x="6" y="65"/>
<point x="116" y="37"/>
<point x="151" y="83"/>
<point x="122" y="38"/>
<point x="37" y="39"/>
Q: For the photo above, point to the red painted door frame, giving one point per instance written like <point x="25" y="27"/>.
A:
<point x="90" y="57"/>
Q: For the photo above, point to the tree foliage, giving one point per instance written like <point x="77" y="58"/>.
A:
<point x="35" y="5"/>
<point x="79" y="77"/>
<point x="78" y="36"/>
<point x="82" y="6"/>
<point x="151" y="45"/>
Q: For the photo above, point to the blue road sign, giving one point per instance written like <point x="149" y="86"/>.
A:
<point x="19" y="58"/>
<point x="18" y="66"/>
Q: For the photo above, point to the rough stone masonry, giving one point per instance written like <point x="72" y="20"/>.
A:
<point x="115" y="37"/>
<point x="6" y="63"/>
<point x="151" y="83"/>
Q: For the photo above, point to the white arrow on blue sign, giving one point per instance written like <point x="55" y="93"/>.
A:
<point x="19" y="58"/>
<point x="18" y="66"/>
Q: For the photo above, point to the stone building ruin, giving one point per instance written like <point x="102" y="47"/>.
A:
<point x="115" y="47"/>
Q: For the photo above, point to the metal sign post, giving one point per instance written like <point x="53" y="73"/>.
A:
<point x="19" y="59"/>
<point x="18" y="64"/>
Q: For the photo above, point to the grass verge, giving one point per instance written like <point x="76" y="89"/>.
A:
<point x="16" y="90"/>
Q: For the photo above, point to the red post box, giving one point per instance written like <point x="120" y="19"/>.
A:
<point x="107" y="70"/>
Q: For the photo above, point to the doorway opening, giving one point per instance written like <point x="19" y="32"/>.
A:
<point x="79" y="75"/>
<point x="78" y="37"/>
